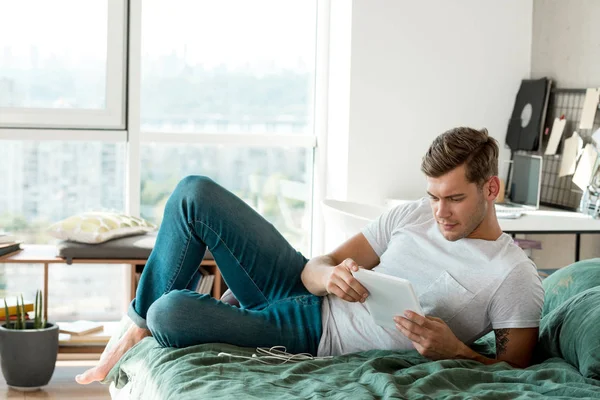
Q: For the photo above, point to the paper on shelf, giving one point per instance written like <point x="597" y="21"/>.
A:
<point x="590" y="105"/>
<point x="585" y="167"/>
<point x="569" y="156"/>
<point x="557" y="130"/>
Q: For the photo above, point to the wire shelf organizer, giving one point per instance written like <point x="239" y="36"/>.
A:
<point x="561" y="192"/>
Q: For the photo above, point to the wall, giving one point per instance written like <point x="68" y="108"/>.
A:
<point x="565" y="47"/>
<point x="565" y="42"/>
<point x="416" y="69"/>
<point x="402" y="72"/>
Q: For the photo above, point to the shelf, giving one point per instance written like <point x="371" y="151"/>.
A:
<point x="81" y="349"/>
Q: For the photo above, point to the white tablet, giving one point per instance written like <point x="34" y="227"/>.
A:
<point x="389" y="296"/>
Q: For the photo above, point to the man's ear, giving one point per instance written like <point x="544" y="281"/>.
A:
<point x="493" y="189"/>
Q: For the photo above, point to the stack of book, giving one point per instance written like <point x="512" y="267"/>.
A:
<point x="8" y="244"/>
<point x="12" y="309"/>
<point x="206" y="282"/>
<point x="85" y="333"/>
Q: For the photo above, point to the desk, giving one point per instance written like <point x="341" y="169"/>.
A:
<point x="551" y="221"/>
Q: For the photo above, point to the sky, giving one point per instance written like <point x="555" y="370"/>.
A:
<point x="206" y="32"/>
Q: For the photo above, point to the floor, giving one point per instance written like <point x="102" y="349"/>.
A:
<point x="62" y="385"/>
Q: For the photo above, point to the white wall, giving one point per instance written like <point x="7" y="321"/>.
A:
<point x="565" y="43"/>
<point x="416" y="69"/>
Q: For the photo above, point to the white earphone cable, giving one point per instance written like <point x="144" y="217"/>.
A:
<point x="276" y="355"/>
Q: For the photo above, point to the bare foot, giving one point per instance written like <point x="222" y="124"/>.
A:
<point x="108" y="360"/>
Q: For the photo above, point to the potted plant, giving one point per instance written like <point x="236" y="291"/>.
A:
<point x="28" y="349"/>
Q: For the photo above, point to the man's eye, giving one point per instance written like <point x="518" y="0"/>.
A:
<point x="457" y="200"/>
<point x="433" y="198"/>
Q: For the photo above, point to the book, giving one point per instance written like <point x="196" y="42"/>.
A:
<point x="98" y="338"/>
<point x="207" y="289"/>
<point x="14" y="318"/>
<point x="206" y="282"/>
<point x="80" y="328"/>
<point x="12" y="307"/>
<point x="7" y="248"/>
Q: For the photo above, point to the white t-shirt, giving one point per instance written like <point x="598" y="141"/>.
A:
<point x="474" y="285"/>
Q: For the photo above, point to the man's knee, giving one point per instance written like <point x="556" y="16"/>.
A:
<point x="192" y="190"/>
<point x="167" y="317"/>
<point x="194" y="185"/>
<point x="167" y="313"/>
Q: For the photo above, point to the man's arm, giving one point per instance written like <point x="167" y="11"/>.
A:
<point x="433" y="339"/>
<point x="513" y="345"/>
<point x="332" y="273"/>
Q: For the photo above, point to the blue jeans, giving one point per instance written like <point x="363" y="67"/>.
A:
<point x="260" y="267"/>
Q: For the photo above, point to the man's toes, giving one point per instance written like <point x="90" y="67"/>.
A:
<point x="88" y="376"/>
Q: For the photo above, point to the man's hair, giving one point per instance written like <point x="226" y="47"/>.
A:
<point x="471" y="147"/>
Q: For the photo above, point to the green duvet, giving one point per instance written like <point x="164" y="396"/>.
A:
<point x="198" y="372"/>
<point x="569" y="331"/>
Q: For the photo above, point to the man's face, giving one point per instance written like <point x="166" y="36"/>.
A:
<point x="458" y="206"/>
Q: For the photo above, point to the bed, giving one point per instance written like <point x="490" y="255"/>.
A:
<point x="567" y="363"/>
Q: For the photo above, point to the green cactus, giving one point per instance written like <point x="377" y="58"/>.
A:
<point x="6" y="315"/>
<point x="23" y="313"/>
<point x="39" y="321"/>
<point x="36" y="321"/>
<point x="18" y="320"/>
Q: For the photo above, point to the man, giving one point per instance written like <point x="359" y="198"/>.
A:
<point x="470" y="277"/>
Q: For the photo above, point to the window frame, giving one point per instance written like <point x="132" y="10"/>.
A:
<point x="113" y="115"/>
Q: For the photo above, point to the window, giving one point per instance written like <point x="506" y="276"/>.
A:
<point x="229" y="80"/>
<point x="226" y="90"/>
<point x="273" y="181"/>
<point x="48" y="181"/>
<point x="62" y="68"/>
<point x="230" y="66"/>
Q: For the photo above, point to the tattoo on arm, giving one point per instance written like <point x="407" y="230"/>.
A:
<point x="501" y="341"/>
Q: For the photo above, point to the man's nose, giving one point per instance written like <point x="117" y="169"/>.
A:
<point x="443" y="210"/>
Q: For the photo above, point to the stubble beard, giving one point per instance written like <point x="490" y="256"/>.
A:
<point x="474" y="222"/>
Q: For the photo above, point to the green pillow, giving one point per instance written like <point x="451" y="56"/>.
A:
<point x="572" y="332"/>
<point x="569" y="281"/>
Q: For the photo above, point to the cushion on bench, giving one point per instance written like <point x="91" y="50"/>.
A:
<point x="127" y="248"/>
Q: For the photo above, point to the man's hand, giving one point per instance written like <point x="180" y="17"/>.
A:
<point x="431" y="336"/>
<point x="342" y="284"/>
